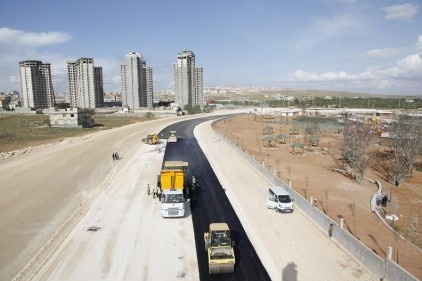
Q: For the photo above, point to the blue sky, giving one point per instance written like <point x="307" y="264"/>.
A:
<point x="366" y="46"/>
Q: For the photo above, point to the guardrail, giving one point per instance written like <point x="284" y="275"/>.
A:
<point x="385" y="269"/>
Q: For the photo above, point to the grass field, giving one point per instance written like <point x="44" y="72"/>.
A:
<point x="24" y="130"/>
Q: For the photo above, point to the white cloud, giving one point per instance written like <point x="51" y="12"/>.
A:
<point x="379" y="53"/>
<point x="111" y="71"/>
<point x="32" y="39"/>
<point x="410" y="67"/>
<point x="419" y="43"/>
<point x="405" y="75"/>
<point x="406" y="68"/>
<point x="17" y="45"/>
<point x="117" y="79"/>
<point x="404" y="12"/>
<point x="305" y="76"/>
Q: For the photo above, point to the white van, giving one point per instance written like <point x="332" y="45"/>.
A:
<point x="279" y="199"/>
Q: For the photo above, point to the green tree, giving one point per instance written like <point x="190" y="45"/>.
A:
<point x="193" y="110"/>
<point x="150" y="115"/>
<point x="62" y="105"/>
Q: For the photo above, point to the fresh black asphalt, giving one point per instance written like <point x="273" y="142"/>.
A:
<point x="212" y="205"/>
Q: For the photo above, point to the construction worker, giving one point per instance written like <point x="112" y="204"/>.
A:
<point x="155" y="192"/>
<point x="148" y="189"/>
<point x="193" y="183"/>
<point x="159" y="193"/>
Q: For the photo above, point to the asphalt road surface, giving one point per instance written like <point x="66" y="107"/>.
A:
<point x="212" y="205"/>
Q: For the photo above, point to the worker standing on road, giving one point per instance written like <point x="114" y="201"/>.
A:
<point x="159" y="193"/>
<point x="155" y="192"/>
<point x="193" y="183"/>
<point x="148" y="189"/>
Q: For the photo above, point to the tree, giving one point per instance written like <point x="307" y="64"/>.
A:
<point x="150" y="115"/>
<point x="352" y="209"/>
<point x="89" y="111"/>
<point x="62" y="105"/>
<point x="359" y="148"/>
<point x="406" y="147"/>
<point x="414" y="224"/>
<point x="395" y="207"/>
<point x="193" y="109"/>
<point x="312" y="129"/>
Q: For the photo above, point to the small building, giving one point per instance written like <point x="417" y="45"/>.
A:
<point x="4" y="102"/>
<point x="70" y="118"/>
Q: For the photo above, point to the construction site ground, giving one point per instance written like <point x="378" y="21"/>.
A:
<point x="311" y="173"/>
<point x="99" y="223"/>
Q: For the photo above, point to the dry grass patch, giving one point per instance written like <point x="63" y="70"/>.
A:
<point x="23" y="130"/>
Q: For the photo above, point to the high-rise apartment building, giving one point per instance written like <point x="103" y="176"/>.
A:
<point x="99" y="86"/>
<point x="137" y="83"/>
<point x="188" y="80"/>
<point x="149" y="86"/>
<point x="36" y="84"/>
<point x="85" y="83"/>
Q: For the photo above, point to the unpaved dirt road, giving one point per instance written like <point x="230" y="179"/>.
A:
<point x="51" y="189"/>
<point x="116" y="230"/>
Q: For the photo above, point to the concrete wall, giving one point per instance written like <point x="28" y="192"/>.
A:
<point x="386" y="269"/>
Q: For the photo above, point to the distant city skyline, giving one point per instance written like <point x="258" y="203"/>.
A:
<point x="360" y="46"/>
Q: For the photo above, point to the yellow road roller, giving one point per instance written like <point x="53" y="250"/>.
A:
<point x="219" y="247"/>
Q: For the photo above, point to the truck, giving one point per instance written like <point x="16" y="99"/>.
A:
<point x="174" y="190"/>
<point x="219" y="248"/>
<point x="172" y="137"/>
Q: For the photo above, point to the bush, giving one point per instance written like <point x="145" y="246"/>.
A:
<point x="149" y="115"/>
<point x="396" y="227"/>
<point x="193" y="110"/>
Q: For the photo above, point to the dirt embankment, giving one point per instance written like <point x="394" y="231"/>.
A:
<point x="311" y="171"/>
